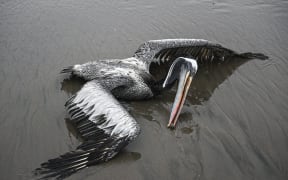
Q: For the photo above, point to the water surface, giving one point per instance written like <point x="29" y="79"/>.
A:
<point x="234" y="124"/>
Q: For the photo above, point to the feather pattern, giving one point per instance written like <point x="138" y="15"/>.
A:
<point x="104" y="125"/>
<point x="202" y="50"/>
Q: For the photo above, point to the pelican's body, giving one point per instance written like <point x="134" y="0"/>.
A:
<point x="127" y="79"/>
<point x="105" y="126"/>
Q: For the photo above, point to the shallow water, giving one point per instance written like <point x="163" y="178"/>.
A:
<point x="234" y="124"/>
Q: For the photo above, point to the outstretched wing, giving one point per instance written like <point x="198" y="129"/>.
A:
<point x="105" y="126"/>
<point x="199" y="49"/>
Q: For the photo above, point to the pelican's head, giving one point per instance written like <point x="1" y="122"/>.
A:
<point x="183" y="70"/>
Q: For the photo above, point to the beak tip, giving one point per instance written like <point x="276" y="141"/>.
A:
<point x="171" y="126"/>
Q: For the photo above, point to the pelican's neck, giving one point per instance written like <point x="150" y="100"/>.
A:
<point x="157" y="86"/>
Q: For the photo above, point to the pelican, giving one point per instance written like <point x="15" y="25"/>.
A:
<point x="103" y="123"/>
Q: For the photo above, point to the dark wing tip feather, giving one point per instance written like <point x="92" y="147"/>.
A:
<point x="68" y="69"/>
<point x="88" y="153"/>
<point x="62" y="166"/>
<point x="250" y="55"/>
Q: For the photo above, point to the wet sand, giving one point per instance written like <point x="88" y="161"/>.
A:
<point x="234" y="124"/>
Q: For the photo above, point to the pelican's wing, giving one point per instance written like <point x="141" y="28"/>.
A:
<point x="199" y="49"/>
<point x="105" y="126"/>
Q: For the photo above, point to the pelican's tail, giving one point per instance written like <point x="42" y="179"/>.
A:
<point x="250" y="55"/>
<point x="68" y="69"/>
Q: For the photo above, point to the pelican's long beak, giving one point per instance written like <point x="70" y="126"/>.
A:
<point x="183" y="87"/>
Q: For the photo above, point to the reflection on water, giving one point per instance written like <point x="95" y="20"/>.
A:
<point x="210" y="76"/>
<point x="234" y="122"/>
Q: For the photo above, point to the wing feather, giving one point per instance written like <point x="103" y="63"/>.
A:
<point x="199" y="49"/>
<point x="104" y="125"/>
